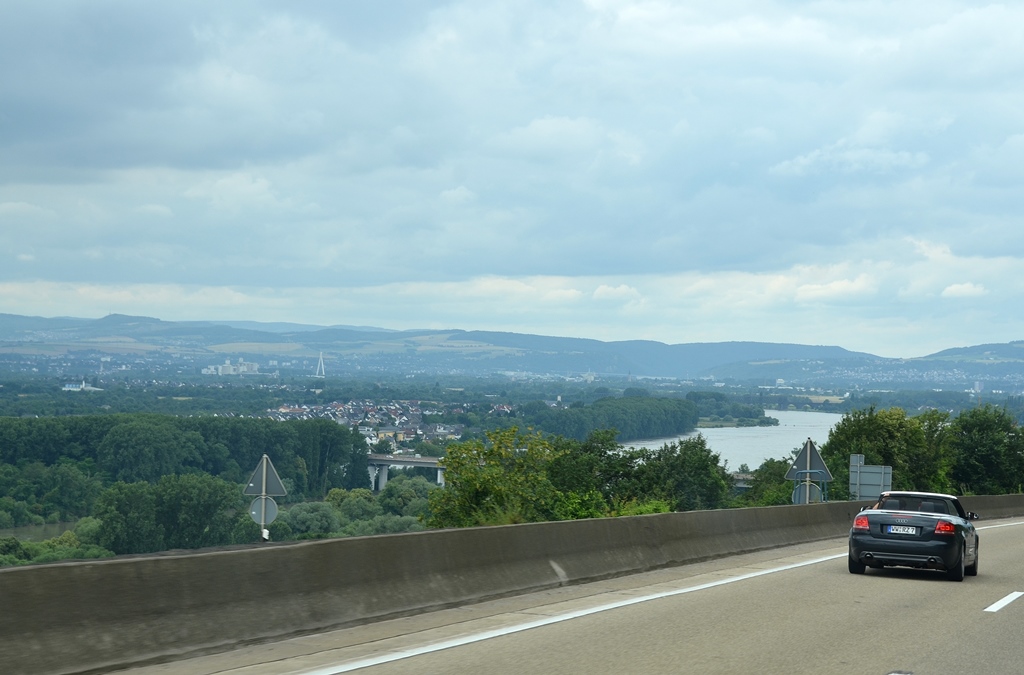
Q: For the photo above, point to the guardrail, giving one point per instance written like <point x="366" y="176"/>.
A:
<point x="98" y="615"/>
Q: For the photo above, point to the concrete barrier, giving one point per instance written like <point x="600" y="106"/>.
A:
<point x="98" y="615"/>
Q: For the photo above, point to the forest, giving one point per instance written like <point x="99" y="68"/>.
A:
<point x="138" y="483"/>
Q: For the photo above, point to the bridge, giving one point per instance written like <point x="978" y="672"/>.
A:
<point x="379" y="465"/>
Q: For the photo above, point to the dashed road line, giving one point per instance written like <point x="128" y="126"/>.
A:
<point x="996" y="606"/>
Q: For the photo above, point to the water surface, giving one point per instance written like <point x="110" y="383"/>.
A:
<point x="753" y="445"/>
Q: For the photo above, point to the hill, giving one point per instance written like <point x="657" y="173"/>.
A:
<point x="187" y="347"/>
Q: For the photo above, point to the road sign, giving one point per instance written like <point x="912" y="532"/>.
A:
<point x="868" y="481"/>
<point x="806" y="493"/>
<point x="809" y="465"/>
<point x="265" y="481"/>
<point x="263" y="510"/>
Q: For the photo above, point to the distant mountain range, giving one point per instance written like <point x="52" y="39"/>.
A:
<point x="351" y="348"/>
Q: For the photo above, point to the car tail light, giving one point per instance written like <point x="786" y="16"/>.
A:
<point x="945" y="527"/>
<point x="860" y="524"/>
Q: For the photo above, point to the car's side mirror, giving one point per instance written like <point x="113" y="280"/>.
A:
<point x="971" y="515"/>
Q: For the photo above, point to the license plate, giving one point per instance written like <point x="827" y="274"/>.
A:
<point x="901" y="529"/>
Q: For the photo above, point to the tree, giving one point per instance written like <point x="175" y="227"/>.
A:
<point x="931" y="466"/>
<point x="312" y="518"/>
<point x="385" y="524"/>
<point x="147" y="448"/>
<point x="403" y="493"/>
<point x="598" y="464"/>
<point x="885" y="437"/>
<point x="70" y="491"/>
<point x="360" y="504"/>
<point x="501" y="480"/>
<point x="196" y="510"/>
<point x="769" y="486"/>
<point x="685" y="473"/>
<point x="988" y="451"/>
<point x="127" y="512"/>
<point x="330" y="456"/>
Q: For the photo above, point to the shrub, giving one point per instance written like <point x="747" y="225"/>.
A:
<point x="385" y="524"/>
<point x="312" y="518"/>
<point x="361" y="505"/>
<point x="88" y="530"/>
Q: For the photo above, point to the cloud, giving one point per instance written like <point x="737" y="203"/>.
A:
<point x="965" y="290"/>
<point x="155" y="210"/>
<point x="235" y="191"/>
<point x="837" y="289"/>
<point x="620" y="292"/>
<point x="458" y="195"/>
<point x="844" y="157"/>
<point x="570" y="139"/>
<point x="610" y="169"/>
<point x="552" y="136"/>
<point x="22" y="210"/>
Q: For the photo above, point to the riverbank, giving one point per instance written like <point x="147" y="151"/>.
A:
<point x="37" y="532"/>
<point x="737" y="446"/>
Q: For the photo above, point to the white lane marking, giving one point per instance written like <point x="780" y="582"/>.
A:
<point x="547" y="621"/>
<point x="992" y="527"/>
<point x="996" y="606"/>
<point x="487" y="635"/>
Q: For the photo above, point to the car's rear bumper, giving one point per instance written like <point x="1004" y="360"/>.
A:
<point x="875" y="552"/>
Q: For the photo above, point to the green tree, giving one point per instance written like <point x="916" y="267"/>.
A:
<point x="988" y="450"/>
<point x="403" y="492"/>
<point x="146" y="448"/>
<point x="597" y="465"/>
<point x="685" y="473"/>
<point x="127" y="513"/>
<point x="13" y="552"/>
<point x="886" y="437"/>
<point x="196" y="510"/>
<point x="931" y="465"/>
<point x="360" y="504"/>
<point x="330" y="456"/>
<point x="384" y="524"/>
<point x="70" y="491"/>
<point x="501" y="480"/>
<point x="769" y="486"/>
<point x="312" y="519"/>
<point x="88" y="530"/>
<point x="246" y="531"/>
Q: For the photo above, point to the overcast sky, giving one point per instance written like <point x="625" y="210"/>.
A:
<point x="838" y="173"/>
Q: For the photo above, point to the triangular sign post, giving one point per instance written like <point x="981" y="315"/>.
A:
<point x="809" y="465"/>
<point x="265" y="482"/>
<point x="808" y="469"/>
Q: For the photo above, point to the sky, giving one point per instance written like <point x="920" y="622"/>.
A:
<point x="822" y="173"/>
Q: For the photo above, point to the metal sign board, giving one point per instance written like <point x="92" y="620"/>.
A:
<point x="265" y="481"/>
<point x="806" y="493"/>
<point x="809" y="465"/>
<point x="263" y="510"/>
<point x="868" y="481"/>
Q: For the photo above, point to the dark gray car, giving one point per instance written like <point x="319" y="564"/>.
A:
<point x="915" y="529"/>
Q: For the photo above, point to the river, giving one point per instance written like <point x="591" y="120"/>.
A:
<point x="37" y="532"/>
<point x="735" y="446"/>
<point x="753" y="445"/>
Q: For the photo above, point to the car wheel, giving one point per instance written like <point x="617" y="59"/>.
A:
<point x="972" y="569"/>
<point x="956" y="573"/>
<point x="855" y="566"/>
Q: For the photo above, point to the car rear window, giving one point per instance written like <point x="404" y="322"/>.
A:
<point x="934" y="506"/>
<point x="924" y="505"/>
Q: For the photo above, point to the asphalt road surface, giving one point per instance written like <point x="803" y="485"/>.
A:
<point x="790" y="610"/>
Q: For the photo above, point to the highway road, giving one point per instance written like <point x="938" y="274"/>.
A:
<point x="789" y="610"/>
